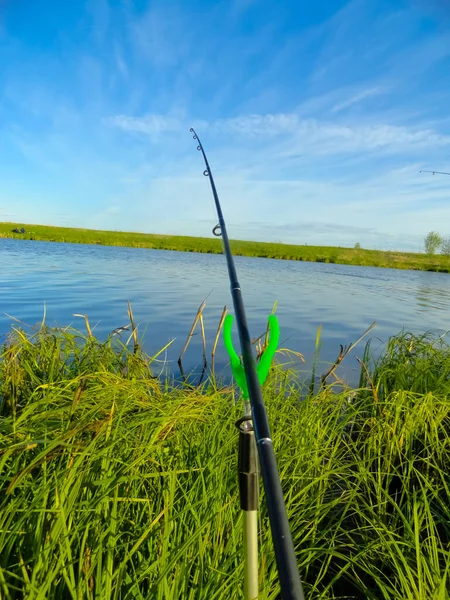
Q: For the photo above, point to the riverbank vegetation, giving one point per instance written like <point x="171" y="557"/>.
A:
<point x="116" y="485"/>
<point x="322" y="254"/>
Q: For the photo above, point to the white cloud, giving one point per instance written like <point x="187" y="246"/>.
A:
<point x="311" y="135"/>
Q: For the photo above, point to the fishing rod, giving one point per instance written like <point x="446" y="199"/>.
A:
<point x="435" y="172"/>
<point x="257" y="424"/>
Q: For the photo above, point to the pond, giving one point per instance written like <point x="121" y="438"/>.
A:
<point x="166" y="288"/>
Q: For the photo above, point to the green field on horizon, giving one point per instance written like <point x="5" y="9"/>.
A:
<point x="324" y="254"/>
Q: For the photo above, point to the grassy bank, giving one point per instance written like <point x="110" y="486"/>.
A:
<point x="324" y="254"/>
<point x="114" y="486"/>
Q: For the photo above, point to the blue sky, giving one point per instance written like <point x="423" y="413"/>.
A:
<point x="316" y="116"/>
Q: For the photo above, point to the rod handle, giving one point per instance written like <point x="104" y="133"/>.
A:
<point x="248" y="469"/>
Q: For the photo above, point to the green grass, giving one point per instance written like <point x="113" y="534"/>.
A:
<point x="323" y="254"/>
<point x="114" y="485"/>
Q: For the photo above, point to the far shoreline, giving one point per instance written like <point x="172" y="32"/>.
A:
<point x="322" y="254"/>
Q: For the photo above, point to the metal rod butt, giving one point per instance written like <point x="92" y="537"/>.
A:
<point x="251" y="554"/>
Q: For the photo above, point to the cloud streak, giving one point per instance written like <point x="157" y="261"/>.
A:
<point x="357" y="98"/>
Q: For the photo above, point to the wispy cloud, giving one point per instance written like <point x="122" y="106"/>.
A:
<point x="322" y="137"/>
<point x="357" y="98"/>
<point x="158" y="34"/>
<point x="121" y="64"/>
<point x="148" y="124"/>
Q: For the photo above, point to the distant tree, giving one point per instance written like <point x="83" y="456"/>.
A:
<point x="445" y="247"/>
<point x="432" y="242"/>
<point x="357" y="246"/>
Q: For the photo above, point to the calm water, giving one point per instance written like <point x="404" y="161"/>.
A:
<point x="166" y="288"/>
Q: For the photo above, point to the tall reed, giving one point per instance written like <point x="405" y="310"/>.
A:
<point x="115" y="485"/>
